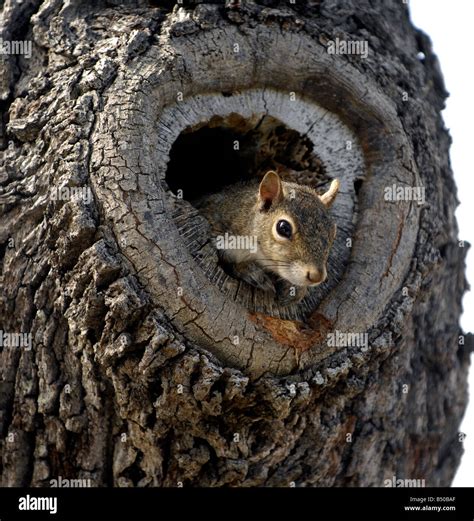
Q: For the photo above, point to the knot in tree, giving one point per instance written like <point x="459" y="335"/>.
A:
<point x="148" y="361"/>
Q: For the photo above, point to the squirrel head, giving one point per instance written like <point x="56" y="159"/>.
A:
<point x="294" y="229"/>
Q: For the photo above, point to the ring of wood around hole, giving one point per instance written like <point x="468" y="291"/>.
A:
<point x="143" y="117"/>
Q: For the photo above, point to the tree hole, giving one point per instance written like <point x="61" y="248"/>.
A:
<point x="223" y="151"/>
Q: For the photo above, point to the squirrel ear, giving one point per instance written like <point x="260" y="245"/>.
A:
<point x="270" y="190"/>
<point x="328" y="198"/>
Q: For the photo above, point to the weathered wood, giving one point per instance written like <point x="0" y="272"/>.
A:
<point x="149" y="365"/>
<point x="378" y="245"/>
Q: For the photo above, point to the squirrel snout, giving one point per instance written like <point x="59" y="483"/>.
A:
<point x="315" y="276"/>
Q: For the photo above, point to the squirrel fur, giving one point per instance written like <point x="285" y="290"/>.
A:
<point x="291" y="226"/>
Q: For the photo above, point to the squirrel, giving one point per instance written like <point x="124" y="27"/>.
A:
<point x="275" y="235"/>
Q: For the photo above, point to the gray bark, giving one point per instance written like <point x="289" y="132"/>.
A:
<point x="149" y="365"/>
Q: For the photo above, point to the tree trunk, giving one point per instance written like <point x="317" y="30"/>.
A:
<point x="143" y="362"/>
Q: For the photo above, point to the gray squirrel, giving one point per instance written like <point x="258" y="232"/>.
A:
<point x="284" y="228"/>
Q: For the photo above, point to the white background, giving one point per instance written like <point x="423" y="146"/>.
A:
<point x="449" y="25"/>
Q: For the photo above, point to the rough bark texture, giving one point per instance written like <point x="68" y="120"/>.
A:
<point x="149" y="365"/>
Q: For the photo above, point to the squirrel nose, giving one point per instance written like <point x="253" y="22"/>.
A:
<point x="316" y="276"/>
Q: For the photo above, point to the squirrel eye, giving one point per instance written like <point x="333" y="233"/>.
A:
<point x="284" y="229"/>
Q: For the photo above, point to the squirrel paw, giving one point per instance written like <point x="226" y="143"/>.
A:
<point x="288" y="294"/>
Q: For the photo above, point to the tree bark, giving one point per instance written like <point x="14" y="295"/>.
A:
<point x="148" y="364"/>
